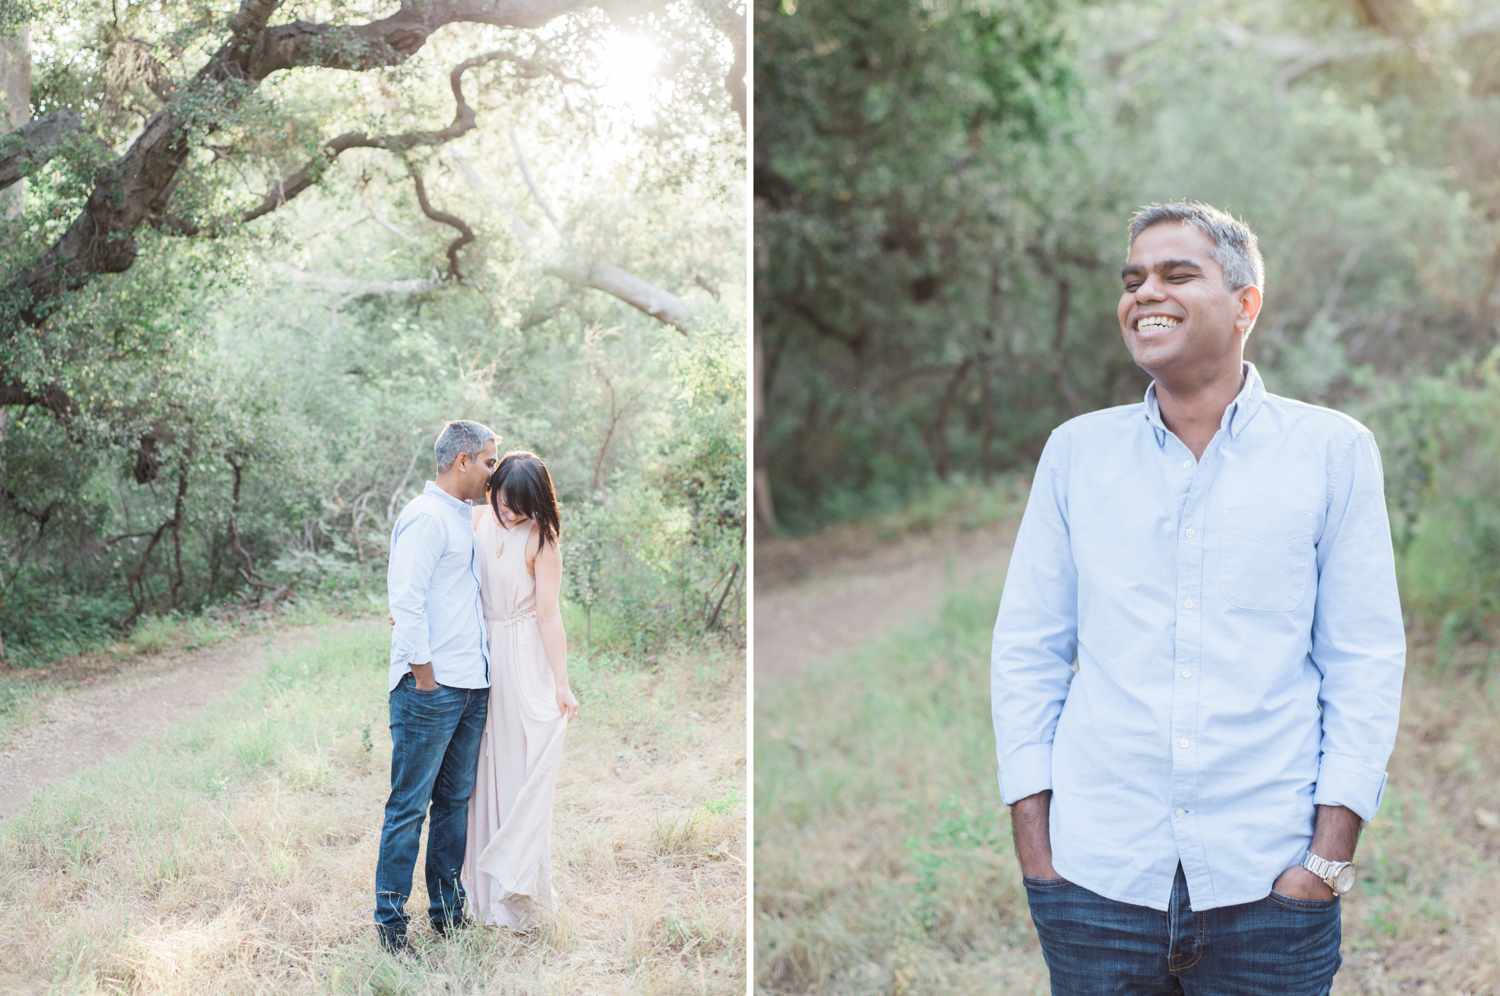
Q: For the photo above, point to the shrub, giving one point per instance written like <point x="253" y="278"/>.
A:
<point x="1440" y="442"/>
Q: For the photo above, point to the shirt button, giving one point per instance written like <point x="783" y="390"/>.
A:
<point x="1190" y="532"/>
<point x="1180" y="813"/>
<point x="1187" y="672"/>
<point x="1186" y="464"/>
<point x="1187" y="603"/>
<point x="1183" y="743"/>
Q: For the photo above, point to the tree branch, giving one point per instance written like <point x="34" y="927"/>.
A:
<point x="1300" y="56"/>
<point x="31" y="145"/>
<point x="854" y="341"/>
<point x="536" y="193"/>
<point x="390" y="40"/>
<point x="247" y="570"/>
<point x="465" y="236"/>
<point x="660" y="304"/>
<point x="464" y="120"/>
<point x="250" y="20"/>
<point x="49" y="396"/>
<point x="138" y="188"/>
<point x="40" y="518"/>
<point x="597" y="274"/>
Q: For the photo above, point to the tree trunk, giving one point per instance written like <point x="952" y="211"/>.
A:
<point x="15" y="92"/>
<point x="1059" y="341"/>
<point x="935" y="432"/>
<point x="765" y="509"/>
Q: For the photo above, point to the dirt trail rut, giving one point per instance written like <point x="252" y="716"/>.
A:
<point x="108" y="717"/>
<point x="826" y="595"/>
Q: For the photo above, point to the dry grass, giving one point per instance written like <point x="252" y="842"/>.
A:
<point x="239" y="855"/>
<point x="1425" y="917"/>
<point x="883" y="855"/>
<point x="882" y="859"/>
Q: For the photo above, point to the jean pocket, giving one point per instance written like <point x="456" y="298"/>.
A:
<point x="1265" y="556"/>
<point x="1306" y="905"/>
<point x="1043" y="883"/>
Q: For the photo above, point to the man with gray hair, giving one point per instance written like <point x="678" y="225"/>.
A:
<point x="439" y="684"/>
<point x="1196" y="669"/>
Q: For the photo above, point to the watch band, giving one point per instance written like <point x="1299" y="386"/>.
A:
<point x="1330" y="872"/>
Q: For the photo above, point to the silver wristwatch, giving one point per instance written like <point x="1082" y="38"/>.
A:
<point x="1337" y="875"/>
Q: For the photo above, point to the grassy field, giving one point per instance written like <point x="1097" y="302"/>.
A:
<point x="883" y="859"/>
<point x="238" y="856"/>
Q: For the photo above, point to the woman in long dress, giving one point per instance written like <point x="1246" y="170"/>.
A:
<point x="508" y="865"/>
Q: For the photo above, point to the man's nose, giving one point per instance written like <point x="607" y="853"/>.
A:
<point x="1151" y="289"/>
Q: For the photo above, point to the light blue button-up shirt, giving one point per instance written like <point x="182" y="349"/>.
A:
<point x="433" y="583"/>
<point x="1238" y="642"/>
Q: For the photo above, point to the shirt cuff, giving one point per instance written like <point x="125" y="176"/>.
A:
<point x="419" y="656"/>
<point x="1026" y="772"/>
<point x="1343" y="781"/>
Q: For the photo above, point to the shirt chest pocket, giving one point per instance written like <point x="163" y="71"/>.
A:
<point x="1265" y="557"/>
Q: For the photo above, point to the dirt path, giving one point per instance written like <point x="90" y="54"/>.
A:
<point x="827" y="594"/>
<point x="106" y="718"/>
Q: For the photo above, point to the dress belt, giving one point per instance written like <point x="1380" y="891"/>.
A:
<point x="515" y="618"/>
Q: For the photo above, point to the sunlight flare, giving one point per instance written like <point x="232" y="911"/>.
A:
<point x="627" y="67"/>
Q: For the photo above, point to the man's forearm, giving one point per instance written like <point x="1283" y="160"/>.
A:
<point x="1335" y="833"/>
<point x="1029" y="825"/>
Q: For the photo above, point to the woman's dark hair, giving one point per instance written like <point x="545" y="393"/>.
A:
<point x="528" y="491"/>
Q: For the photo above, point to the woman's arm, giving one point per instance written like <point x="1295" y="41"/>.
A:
<point x="548" y="569"/>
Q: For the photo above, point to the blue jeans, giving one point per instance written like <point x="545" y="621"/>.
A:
<point x="1276" y="946"/>
<point x="434" y="755"/>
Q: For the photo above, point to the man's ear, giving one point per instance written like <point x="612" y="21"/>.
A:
<point x="1249" y="300"/>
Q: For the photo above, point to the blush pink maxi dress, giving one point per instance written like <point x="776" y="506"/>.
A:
<point x="508" y="863"/>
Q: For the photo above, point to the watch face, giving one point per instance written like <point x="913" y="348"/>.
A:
<point x="1344" y="880"/>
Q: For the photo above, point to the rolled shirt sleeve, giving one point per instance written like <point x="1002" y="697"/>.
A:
<point x="1036" y="633"/>
<point x="1358" y="644"/>
<point x="416" y="546"/>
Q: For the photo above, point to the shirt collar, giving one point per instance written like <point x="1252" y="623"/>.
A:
<point x="1236" y="416"/>
<point x="444" y="497"/>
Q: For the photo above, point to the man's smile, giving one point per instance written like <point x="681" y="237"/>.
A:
<point x="1149" y="325"/>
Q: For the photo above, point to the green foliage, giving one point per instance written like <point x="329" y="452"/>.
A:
<point x="726" y="805"/>
<point x="938" y="282"/>
<point x="256" y="403"/>
<point x="1440" y="441"/>
<point x="893" y="144"/>
<point x="661" y="554"/>
<point x="946" y="852"/>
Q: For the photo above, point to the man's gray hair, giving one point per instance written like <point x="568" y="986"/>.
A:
<point x="459" y="437"/>
<point x="1235" y="248"/>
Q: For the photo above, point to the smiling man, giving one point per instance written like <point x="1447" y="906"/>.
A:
<point x="1197" y="664"/>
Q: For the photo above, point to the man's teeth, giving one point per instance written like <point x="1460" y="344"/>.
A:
<point x="1156" y="323"/>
